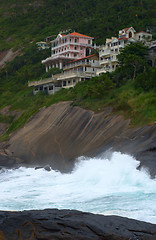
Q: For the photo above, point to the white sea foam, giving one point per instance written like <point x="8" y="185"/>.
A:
<point x="96" y="185"/>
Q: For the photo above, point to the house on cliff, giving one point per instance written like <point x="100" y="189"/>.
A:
<point x="73" y="72"/>
<point x="72" y="54"/>
<point x="109" y="51"/>
<point x="66" y="48"/>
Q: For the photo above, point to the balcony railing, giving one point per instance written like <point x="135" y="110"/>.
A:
<point x="61" y="76"/>
<point x="58" y="56"/>
<point x="71" y="43"/>
<point x="76" y="64"/>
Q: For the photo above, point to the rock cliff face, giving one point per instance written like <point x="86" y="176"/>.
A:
<point x="65" y="224"/>
<point x="58" y="134"/>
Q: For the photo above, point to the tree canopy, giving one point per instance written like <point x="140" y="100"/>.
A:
<point x="132" y="59"/>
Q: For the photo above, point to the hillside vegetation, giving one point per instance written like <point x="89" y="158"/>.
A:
<point x="22" y="23"/>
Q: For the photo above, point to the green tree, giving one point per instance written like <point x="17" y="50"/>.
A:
<point x="133" y="59"/>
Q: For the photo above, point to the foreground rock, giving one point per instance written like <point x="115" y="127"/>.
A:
<point x="58" y="134"/>
<point x="73" y="225"/>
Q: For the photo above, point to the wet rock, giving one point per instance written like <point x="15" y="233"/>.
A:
<point x="57" y="135"/>
<point x="71" y="225"/>
<point x="47" y="168"/>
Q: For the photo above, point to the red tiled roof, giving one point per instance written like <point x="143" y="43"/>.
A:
<point x="63" y="35"/>
<point x="143" y="32"/>
<point x="83" y="58"/>
<point x="79" y="35"/>
<point x="126" y="29"/>
<point x="123" y="38"/>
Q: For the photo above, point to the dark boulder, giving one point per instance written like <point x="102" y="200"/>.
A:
<point x="55" y="224"/>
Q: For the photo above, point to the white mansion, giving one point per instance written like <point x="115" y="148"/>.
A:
<point x="108" y="52"/>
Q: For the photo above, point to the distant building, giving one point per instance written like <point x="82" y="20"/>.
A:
<point x="143" y="36"/>
<point x="108" y="52"/>
<point x="66" y="48"/>
<point x="75" y="71"/>
<point x="42" y="45"/>
<point x="151" y="53"/>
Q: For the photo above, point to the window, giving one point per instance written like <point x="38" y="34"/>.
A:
<point x="69" y="82"/>
<point x="41" y="88"/>
<point x="81" y="48"/>
<point x="93" y="69"/>
<point x="75" y="40"/>
<point x="50" y="87"/>
<point x="75" y="47"/>
<point x="70" y="40"/>
<point x="93" y="61"/>
<point x="88" y="41"/>
<point x="75" y="55"/>
<point x="36" y="89"/>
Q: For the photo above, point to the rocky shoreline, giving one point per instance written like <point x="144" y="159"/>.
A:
<point x="71" y="225"/>
<point x="57" y="135"/>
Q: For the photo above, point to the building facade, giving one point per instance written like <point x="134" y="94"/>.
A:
<point x="75" y="71"/>
<point x="42" y="45"/>
<point x="66" y="48"/>
<point x="108" y="52"/>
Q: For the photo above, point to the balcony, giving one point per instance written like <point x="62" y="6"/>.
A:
<point x="77" y="64"/>
<point x="58" y="57"/>
<point x="105" y="61"/>
<point x="72" y="74"/>
<point x="64" y="52"/>
<point x="40" y="82"/>
<point x="61" y="77"/>
<point x="71" y="43"/>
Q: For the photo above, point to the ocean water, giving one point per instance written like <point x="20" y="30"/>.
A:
<point x="97" y="185"/>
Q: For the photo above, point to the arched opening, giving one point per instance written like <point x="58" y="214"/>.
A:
<point x="130" y="34"/>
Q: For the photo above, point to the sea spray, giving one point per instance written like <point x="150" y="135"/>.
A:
<point x="98" y="185"/>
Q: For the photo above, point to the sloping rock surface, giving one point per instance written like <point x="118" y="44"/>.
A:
<point x="71" y="225"/>
<point x="60" y="133"/>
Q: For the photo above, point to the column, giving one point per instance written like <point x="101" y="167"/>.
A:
<point x="49" y="67"/>
<point x="46" y="68"/>
<point x="57" y="65"/>
<point x="60" y="65"/>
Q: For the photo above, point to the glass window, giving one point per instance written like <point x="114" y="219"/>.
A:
<point x="50" y="87"/>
